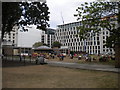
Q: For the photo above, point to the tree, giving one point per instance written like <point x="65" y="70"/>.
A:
<point x="56" y="44"/>
<point x="23" y="14"/>
<point x="94" y="16"/>
<point x="11" y="13"/>
<point x="37" y="44"/>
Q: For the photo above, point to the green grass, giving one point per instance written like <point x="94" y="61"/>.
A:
<point x="110" y="62"/>
<point x="44" y="76"/>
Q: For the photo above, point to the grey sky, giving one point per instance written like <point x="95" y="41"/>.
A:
<point x="27" y="39"/>
<point x="66" y="7"/>
<point x="56" y="7"/>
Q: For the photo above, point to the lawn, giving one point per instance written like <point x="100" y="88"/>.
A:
<point x="82" y="61"/>
<point x="74" y="60"/>
<point x="45" y="76"/>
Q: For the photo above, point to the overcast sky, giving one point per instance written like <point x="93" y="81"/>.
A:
<point x="57" y="9"/>
<point x="63" y="8"/>
<point x="27" y="39"/>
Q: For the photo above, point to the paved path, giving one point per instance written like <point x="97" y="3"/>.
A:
<point x="91" y="66"/>
<point x="108" y="68"/>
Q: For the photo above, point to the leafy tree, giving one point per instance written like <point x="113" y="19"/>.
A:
<point x="37" y="44"/>
<point x="11" y="13"/>
<point x="23" y="14"/>
<point x="56" y="44"/>
<point x="94" y="16"/>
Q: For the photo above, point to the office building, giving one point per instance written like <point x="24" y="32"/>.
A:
<point x="94" y="44"/>
<point x="19" y="38"/>
<point x="12" y="37"/>
<point x="48" y="37"/>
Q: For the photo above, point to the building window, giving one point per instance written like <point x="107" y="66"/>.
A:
<point x="98" y="43"/>
<point x="103" y="41"/>
<point x="13" y="41"/>
<point x="106" y="32"/>
<point x="103" y="46"/>
<point x="95" y="47"/>
<point x="103" y="37"/>
<point x="98" y="47"/>
<point x="75" y="40"/>
<point x="91" y="43"/>
<point x="74" y="28"/>
<point x="107" y="50"/>
<point x="98" y="51"/>
<point x="94" y="43"/>
<point x="97" y="38"/>
<point x="88" y="47"/>
<point x="103" y="33"/>
<point x="81" y="43"/>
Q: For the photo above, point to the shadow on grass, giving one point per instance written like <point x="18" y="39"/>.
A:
<point x="10" y="63"/>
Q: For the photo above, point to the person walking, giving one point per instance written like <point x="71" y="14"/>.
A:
<point x="62" y="57"/>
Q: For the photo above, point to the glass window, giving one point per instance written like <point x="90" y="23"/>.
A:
<point x="98" y="43"/>
<point x="98" y="47"/>
<point x="94" y="43"/>
<point x="103" y="32"/>
<point x="88" y="47"/>
<point x="106" y="32"/>
<point x="98" y="51"/>
<point x="103" y="37"/>
<point x="13" y="41"/>
<point x="95" y="47"/>
<point x="97" y="38"/>
<point x="81" y="43"/>
<point x="103" y="41"/>
<point x="91" y="43"/>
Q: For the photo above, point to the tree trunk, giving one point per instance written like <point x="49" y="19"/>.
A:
<point x="117" y="55"/>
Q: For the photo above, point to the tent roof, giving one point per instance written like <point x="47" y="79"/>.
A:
<point x="43" y="48"/>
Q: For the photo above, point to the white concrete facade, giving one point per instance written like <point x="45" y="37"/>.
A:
<point x="66" y="34"/>
<point x="20" y="38"/>
<point x="12" y="36"/>
<point x="49" y="37"/>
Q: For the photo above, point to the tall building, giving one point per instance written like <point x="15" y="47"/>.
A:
<point x="11" y="37"/>
<point x="66" y="34"/>
<point x="18" y="38"/>
<point x="48" y="37"/>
